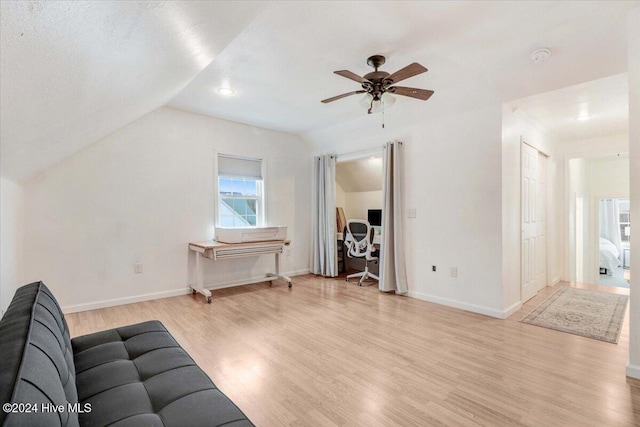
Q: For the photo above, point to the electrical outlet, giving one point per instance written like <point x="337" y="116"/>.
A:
<point x="453" y="272"/>
<point x="433" y="268"/>
<point x="411" y="212"/>
<point x="137" y="267"/>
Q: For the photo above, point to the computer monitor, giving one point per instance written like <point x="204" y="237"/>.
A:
<point x="374" y="216"/>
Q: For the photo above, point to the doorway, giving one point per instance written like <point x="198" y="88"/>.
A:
<point x="614" y="249"/>
<point x="358" y="196"/>
<point x="600" y="230"/>
<point x="534" y="221"/>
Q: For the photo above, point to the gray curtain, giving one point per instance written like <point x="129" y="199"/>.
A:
<point x="610" y="223"/>
<point x="393" y="272"/>
<point x="324" y="254"/>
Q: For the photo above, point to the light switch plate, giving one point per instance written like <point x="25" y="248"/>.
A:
<point x="411" y="212"/>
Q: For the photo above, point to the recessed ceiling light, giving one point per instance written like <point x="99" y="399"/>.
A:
<point x="582" y="118"/>
<point x="226" y="91"/>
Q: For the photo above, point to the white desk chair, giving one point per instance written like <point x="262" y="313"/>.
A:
<point x="359" y="242"/>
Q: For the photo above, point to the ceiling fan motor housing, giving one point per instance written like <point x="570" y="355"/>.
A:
<point x="377" y="85"/>
<point x="376" y="61"/>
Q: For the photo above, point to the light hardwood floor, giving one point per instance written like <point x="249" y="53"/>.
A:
<point x="329" y="353"/>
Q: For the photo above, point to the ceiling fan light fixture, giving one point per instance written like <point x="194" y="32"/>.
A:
<point x="365" y="101"/>
<point x="388" y="100"/>
<point x="376" y="106"/>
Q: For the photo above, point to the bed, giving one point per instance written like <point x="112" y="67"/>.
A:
<point x="609" y="257"/>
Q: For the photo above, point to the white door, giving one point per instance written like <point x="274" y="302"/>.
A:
<point x="541" y="224"/>
<point x="529" y="194"/>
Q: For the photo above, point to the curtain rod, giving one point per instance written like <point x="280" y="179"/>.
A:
<point x="359" y="153"/>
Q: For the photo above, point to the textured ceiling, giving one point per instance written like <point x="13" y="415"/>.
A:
<point x="282" y="64"/>
<point x="588" y="110"/>
<point x="74" y="72"/>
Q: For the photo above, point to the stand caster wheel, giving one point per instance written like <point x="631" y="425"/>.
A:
<point x="193" y="292"/>
<point x="208" y="300"/>
<point x="290" y="285"/>
<point x="270" y="282"/>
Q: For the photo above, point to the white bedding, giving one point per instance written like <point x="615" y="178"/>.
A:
<point x="609" y="256"/>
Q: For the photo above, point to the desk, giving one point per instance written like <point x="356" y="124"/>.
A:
<point x="219" y="251"/>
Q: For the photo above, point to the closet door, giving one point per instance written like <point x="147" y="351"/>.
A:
<point x="541" y="224"/>
<point x="529" y="194"/>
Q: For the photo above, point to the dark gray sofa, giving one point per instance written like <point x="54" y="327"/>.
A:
<point x="136" y="375"/>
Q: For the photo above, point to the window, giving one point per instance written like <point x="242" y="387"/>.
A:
<point x="625" y="220"/>
<point x="240" y="192"/>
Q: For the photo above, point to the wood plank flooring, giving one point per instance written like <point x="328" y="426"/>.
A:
<point x="330" y="353"/>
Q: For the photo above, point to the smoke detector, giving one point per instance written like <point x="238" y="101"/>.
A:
<point x="541" y="55"/>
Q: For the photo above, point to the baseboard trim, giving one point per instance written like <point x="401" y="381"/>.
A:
<point x="554" y="281"/>
<point x="124" y="300"/>
<point x="633" y="371"/>
<point x="165" y="294"/>
<point x="487" y="311"/>
<point x="510" y="310"/>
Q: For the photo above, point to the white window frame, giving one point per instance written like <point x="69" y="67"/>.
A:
<point x="261" y="215"/>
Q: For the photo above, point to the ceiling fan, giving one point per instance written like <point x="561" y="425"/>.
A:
<point x="378" y="83"/>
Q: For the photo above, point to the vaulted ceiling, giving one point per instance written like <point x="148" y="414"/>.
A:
<point x="360" y="174"/>
<point x="74" y="72"/>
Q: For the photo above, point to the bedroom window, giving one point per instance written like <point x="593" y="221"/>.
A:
<point x="625" y="219"/>
<point x="240" y="192"/>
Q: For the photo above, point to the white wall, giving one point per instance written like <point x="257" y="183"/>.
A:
<point x="609" y="176"/>
<point x="633" y="369"/>
<point x="11" y="214"/>
<point x="579" y="187"/>
<point x="357" y="203"/>
<point x="144" y="192"/>
<point x="340" y="198"/>
<point x="515" y="129"/>
<point x="453" y="180"/>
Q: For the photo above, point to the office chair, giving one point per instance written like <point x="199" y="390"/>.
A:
<point x="359" y="242"/>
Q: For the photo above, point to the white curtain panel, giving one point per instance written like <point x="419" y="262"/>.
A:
<point x="324" y="254"/>
<point x="610" y="223"/>
<point x="393" y="272"/>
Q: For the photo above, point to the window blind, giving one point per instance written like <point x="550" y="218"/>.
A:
<point x="238" y="167"/>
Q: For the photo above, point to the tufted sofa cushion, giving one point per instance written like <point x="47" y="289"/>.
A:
<point x="139" y="375"/>
<point x="136" y="375"/>
<point x="37" y="360"/>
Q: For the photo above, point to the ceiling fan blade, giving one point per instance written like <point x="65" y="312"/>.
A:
<point x="422" y="94"/>
<point x="344" y="95"/>
<point x="406" y="72"/>
<point x="352" y="76"/>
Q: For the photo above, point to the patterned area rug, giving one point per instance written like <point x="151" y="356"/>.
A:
<point x="591" y="314"/>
